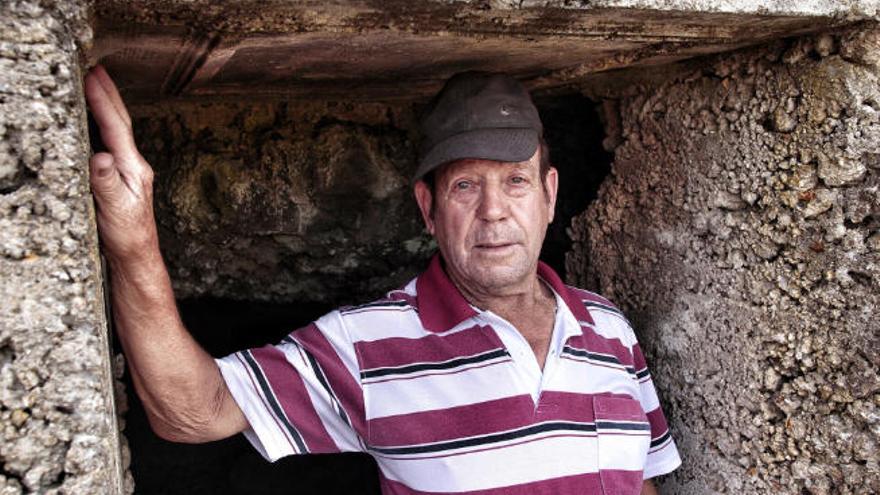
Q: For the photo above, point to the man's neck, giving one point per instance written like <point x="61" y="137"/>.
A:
<point x="525" y="299"/>
<point x="523" y="304"/>
<point x="530" y="309"/>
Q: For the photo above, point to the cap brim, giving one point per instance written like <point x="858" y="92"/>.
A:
<point x="503" y="145"/>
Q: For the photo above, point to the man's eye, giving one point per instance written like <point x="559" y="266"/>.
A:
<point x="462" y="185"/>
<point x="516" y="179"/>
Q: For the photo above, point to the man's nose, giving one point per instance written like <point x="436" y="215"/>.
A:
<point x="493" y="203"/>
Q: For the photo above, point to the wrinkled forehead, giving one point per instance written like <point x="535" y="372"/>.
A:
<point x="486" y="166"/>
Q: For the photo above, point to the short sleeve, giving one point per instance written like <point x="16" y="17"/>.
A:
<point x="663" y="455"/>
<point x="302" y="395"/>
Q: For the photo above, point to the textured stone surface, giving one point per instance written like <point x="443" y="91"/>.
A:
<point x="393" y="49"/>
<point x="58" y="431"/>
<point x="282" y="201"/>
<point x="739" y="230"/>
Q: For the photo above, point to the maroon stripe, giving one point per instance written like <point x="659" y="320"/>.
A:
<point x="451" y="423"/>
<point x="565" y="406"/>
<point x="345" y="388"/>
<point x="591" y="341"/>
<point x="290" y="391"/>
<point x="638" y="358"/>
<point x="581" y="484"/>
<point x="259" y="394"/>
<point x="618" y="407"/>
<point x="399" y="351"/>
<point x="441" y="305"/>
<point x="568" y="294"/>
<point x="658" y="423"/>
<point x="621" y="482"/>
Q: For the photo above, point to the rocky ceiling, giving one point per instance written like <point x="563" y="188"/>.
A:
<point x="383" y="50"/>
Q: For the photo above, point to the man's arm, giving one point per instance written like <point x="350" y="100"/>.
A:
<point x="648" y="488"/>
<point x="185" y="397"/>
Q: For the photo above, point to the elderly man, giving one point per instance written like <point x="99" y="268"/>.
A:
<point x="484" y="374"/>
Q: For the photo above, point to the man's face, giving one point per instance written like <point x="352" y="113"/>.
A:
<point x="489" y="219"/>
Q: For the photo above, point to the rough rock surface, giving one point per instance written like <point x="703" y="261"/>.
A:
<point x="58" y="430"/>
<point x="299" y="201"/>
<point x="740" y="230"/>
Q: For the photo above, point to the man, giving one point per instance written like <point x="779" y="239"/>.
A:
<point x="485" y="373"/>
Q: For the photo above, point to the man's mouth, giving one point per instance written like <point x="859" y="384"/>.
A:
<point x="494" y="246"/>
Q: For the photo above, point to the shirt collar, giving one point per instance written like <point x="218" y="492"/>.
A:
<point x="441" y="305"/>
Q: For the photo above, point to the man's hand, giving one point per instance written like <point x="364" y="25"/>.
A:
<point x="180" y="385"/>
<point x="122" y="181"/>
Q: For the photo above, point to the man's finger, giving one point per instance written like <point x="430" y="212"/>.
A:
<point x="112" y="91"/>
<point x="105" y="178"/>
<point x="115" y="131"/>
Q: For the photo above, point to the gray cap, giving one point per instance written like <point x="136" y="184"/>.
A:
<point x="479" y="115"/>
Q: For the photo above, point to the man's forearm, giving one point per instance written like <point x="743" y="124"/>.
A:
<point x="178" y="382"/>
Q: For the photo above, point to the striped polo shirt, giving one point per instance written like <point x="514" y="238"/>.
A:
<point x="444" y="397"/>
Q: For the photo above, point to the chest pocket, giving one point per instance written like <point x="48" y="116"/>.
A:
<point x="624" y="436"/>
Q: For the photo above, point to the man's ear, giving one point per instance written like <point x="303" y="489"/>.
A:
<point x="551" y="185"/>
<point x="425" y="200"/>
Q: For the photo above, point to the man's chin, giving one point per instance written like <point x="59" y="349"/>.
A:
<point x="500" y="276"/>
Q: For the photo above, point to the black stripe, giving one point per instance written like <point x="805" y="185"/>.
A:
<point x="319" y="372"/>
<point x="414" y="368"/>
<point x="643" y="373"/>
<point x="324" y="383"/>
<point x="587" y="354"/>
<point x="591" y="304"/>
<point x="610" y="309"/>
<point x="488" y="439"/>
<point x="614" y="425"/>
<point x="660" y="440"/>
<point x="597" y="357"/>
<point x="378" y="304"/>
<point x="276" y="408"/>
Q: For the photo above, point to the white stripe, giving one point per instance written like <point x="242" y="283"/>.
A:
<point x="378" y="325"/>
<point x="265" y="433"/>
<point x="334" y="330"/>
<point x="515" y="464"/>
<point x="648" y="396"/>
<point x="588" y="378"/>
<point x="440" y="391"/>
<point x="627" y="452"/>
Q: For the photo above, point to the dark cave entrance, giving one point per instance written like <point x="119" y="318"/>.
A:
<point x="223" y="325"/>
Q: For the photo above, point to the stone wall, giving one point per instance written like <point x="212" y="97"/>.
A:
<point x="284" y="201"/>
<point x="740" y="231"/>
<point x="58" y="430"/>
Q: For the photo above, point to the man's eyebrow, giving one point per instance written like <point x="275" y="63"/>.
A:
<point x="522" y="165"/>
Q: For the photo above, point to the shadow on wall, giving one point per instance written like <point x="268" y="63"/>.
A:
<point x="223" y="324"/>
